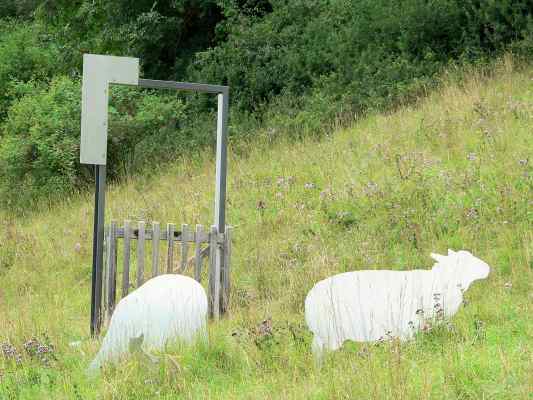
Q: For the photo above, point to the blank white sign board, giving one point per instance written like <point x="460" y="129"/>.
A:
<point x="98" y="72"/>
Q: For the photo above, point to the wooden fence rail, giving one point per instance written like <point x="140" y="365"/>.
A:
<point x="205" y="245"/>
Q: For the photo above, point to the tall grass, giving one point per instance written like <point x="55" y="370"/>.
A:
<point x="453" y="171"/>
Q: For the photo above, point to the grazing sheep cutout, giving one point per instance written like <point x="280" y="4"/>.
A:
<point x="165" y="308"/>
<point x="366" y="306"/>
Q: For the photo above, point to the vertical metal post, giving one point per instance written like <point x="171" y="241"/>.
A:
<point x="220" y="189"/>
<point x="221" y="161"/>
<point x="98" y="249"/>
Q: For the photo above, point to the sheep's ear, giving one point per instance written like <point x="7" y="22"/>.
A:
<point x="439" y="258"/>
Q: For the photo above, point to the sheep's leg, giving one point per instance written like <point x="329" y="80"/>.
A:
<point x="318" y="349"/>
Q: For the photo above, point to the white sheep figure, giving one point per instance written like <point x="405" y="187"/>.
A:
<point x="366" y="306"/>
<point x="165" y="308"/>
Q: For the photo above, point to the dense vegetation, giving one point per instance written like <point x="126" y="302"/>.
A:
<point x="292" y="65"/>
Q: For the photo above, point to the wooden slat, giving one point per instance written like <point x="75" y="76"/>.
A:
<point x="203" y="237"/>
<point x="155" y="248"/>
<point x="105" y="272"/>
<point x="140" y="254"/>
<point x="184" y="247"/>
<point x="126" y="259"/>
<point x="216" y="292"/>
<point x="225" y="273"/>
<point x="170" y="249"/>
<point x="112" y="275"/>
<point x="214" y="277"/>
<point x="198" y="253"/>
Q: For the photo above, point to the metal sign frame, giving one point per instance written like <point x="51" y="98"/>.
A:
<point x="99" y="72"/>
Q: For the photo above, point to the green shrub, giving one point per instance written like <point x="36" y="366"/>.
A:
<point x="39" y="149"/>
<point x="19" y="8"/>
<point x="143" y="126"/>
<point x="163" y="34"/>
<point x="364" y="53"/>
<point x="40" y="140"/>
<point x="302" y="43"/>
<point x="26" y="53"/>
<point x="494" y="24"/>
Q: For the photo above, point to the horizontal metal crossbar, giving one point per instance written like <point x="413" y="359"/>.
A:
<point x="197" y="87"/>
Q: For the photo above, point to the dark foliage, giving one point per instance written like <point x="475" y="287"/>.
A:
<point x="366" y="52"/>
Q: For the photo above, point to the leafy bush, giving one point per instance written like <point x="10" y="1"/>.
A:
<point x="364" y="53"/>
<point x="19" y="8"/>
<point x="163" y="34"/>
<point x="40" y="141"/>
<point x="302" y="42"/>
<point x="143" y="126"/>
<point x="492" y="25"/>
<point x="39" y="150"/>
<point x="26" y="53"/>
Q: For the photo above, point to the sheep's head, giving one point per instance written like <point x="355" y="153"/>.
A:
<point x="461" y="266"/>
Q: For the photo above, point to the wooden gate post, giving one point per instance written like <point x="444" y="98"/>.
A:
<point x="225" y="278"/>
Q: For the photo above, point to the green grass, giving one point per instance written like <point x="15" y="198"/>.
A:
<point x="454" y="171"/>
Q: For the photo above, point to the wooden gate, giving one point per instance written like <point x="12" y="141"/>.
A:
<point x="196" y="247"/>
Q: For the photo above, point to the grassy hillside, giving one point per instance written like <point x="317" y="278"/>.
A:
<point x="454" y="171"/>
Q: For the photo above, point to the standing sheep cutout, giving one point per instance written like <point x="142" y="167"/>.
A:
<point x="366" y="306"/>
<point x="165" y="308"/>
